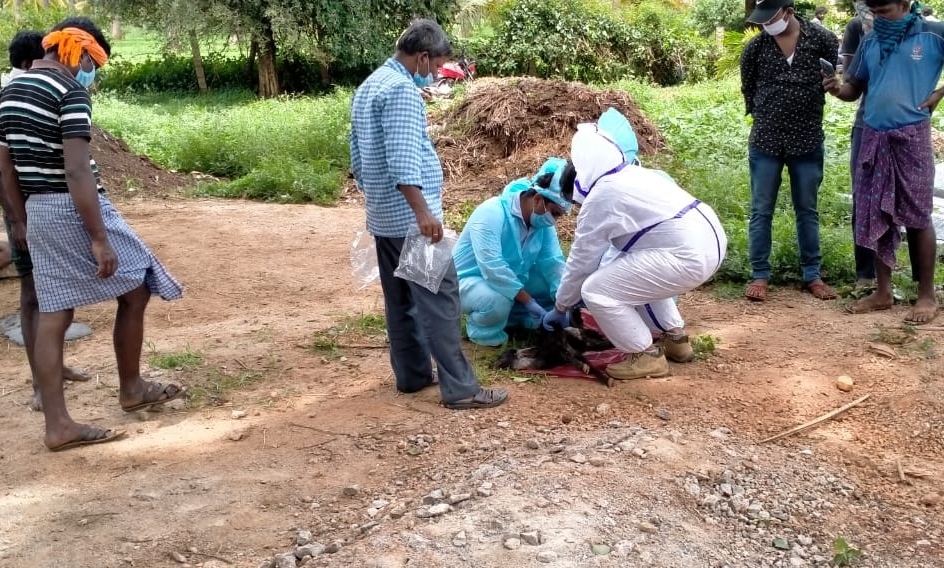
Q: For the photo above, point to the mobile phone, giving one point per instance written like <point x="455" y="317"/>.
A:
<point x="827" y="67"/>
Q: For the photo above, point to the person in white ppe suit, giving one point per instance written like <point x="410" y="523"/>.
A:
<point x="509" y="258"/>
<point x="666" y="243"/>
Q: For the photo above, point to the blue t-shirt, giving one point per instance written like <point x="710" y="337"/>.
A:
<point x="904" y="80"/>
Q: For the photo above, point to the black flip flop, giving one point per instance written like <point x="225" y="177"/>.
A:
<point x="110" y="436"/>
<point x="181" y="391"/>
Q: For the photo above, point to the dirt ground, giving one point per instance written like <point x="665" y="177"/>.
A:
<point x="225" y="491"/>
<point x="291" y="429"/>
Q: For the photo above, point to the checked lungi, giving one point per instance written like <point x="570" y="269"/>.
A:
<point x="64" y="268"/>
<point x="894" y="186"/>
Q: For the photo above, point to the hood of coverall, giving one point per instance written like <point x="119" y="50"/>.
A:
<point x="553" y="192"/>
<point x="594" y="154"/>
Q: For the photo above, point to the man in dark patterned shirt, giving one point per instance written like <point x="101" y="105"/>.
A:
<point x="782" y="85"/>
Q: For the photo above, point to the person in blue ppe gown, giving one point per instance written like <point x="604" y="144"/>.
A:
<point x="509" y="258"/>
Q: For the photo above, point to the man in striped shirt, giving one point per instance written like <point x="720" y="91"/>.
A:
<point x="26" y="47"/>
<point x="83" y="251"/>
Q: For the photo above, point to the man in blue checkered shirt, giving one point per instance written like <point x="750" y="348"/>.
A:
<point x="396" y="166"/>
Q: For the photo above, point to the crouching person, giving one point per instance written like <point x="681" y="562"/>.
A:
<point x="509" y="259"/>
<point x="669" y="243"/>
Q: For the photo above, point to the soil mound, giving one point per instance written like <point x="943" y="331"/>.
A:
<point x="126" y="174"/>
<point x="503" y="129"/>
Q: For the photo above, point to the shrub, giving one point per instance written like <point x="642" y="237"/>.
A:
<point x="289" y="149"/>
<point x="586" y="40"/>
<point x="175" y="73"/>
<point x="665" y="48"/>
<point x="566" y="39"/>
<point x="708" y="15"/>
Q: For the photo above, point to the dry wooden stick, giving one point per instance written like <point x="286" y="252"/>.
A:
<point x="918" y="474"/>
<point x="321" y="430"/>
<point x="925" y="328"/>
<point x="901" y="471"/>
<point x="213" y="556"/>
<point x="819" y="420"/>
<point x="11" y="392"/>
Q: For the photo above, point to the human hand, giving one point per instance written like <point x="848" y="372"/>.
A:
<point x="555" y="317"/>
<point x="536" y="311"/>
<point x="105" y="257"/>
<point x="18" y="232"/>
<point x="831" y="83"/>
<point x="931" y="102"/>
<point x="427" y="96"/>
<point x="430" y="227"/>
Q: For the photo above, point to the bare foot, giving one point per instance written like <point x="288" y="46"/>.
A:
<point x="36" y="402"/>
<point x="70" y="374"/>
<point x="76" y="435"/>
<point x="923" y="312"/>
<point x="874" y="302"/>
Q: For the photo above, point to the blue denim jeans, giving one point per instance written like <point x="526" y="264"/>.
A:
<point x="806" y="174"/>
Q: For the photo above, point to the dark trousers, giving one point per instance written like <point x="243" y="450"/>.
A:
<point x="422" y="325"/>
<point x="806" y="174"/>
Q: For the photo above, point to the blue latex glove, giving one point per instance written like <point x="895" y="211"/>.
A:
<point x="554" y="316"/>
<point x="536" y="311"/>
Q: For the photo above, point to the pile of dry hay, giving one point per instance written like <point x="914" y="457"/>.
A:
<point x="528" y="119"/>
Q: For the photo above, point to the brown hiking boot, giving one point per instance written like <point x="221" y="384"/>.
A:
<point x="677" y="348"/>
<point x="638" y="366"/>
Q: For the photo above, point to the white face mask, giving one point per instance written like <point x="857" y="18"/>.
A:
<point x="777" y="27"/>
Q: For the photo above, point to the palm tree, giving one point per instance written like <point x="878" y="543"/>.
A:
<point x="474" y="12"/>
<point x="38" y="4"/>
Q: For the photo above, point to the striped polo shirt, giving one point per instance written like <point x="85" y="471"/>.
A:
<point x="38" y="110"/>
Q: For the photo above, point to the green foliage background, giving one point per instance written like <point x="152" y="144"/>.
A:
<point x="588" y="40"/>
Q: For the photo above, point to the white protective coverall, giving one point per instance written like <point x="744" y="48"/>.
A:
<point x="669" y="243"/>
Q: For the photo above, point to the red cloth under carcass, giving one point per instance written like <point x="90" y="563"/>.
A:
<point x="599" y="359"/>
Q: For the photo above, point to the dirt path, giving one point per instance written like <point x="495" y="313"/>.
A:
<point x="261" y="278"/>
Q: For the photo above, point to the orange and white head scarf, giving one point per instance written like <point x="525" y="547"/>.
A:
<point x="71" y="42"/>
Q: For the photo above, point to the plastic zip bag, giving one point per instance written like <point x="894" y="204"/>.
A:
<point x="364" y="269"/>
<point x="426" y="263"/>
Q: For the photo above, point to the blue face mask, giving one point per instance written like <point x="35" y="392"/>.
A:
<point x="543" y="220"/>
<point x="423" y="80"/>
<point x="85" y="78"/>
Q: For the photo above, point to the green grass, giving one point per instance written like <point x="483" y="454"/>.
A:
<point x="186" y="359"/>
<point x="728" y="290"/>
<point x="286" y="150"/>
<point x="844" y="554"/>
<point x="705" y="345"/>
<point x="352" y="331"/>
<point x="216" y="385"/>
<point x="295" y="149"/>
<point x="139" y="45"/>
<point x="705" y="127"/>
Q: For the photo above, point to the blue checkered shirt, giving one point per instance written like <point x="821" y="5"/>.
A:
<point x="390" y="147"/>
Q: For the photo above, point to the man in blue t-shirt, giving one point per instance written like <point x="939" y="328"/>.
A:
<point x="899" y="64"/>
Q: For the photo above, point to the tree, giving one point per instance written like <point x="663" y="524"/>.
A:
<point x="341" y="35"/>
<point x="180" y="22"/>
